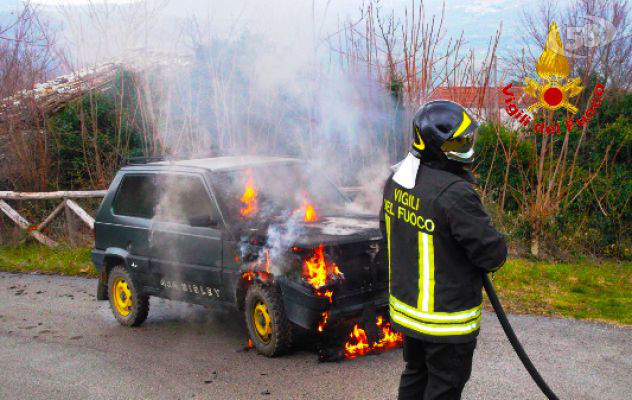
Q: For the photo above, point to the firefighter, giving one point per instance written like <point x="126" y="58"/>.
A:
<point x="440" y="243"/>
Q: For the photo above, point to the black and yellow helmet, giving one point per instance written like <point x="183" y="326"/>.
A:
<point x="444" y="127"/>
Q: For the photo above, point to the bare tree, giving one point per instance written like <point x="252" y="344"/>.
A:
<point x="26" y="51"/>
<point x="27" y="56"/>
<point x="412" y="56"/>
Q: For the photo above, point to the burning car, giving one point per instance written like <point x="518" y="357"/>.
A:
<point x="270" y="236"/>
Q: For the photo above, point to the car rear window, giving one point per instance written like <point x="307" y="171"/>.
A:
<point x="136" y="197"/>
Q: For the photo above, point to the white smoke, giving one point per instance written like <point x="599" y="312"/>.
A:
<point x="279" y="238"/>
<point x="251" y="78"/>
<point x="242" y="77"/>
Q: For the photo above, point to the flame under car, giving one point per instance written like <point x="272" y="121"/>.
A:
<point x="270" y="236"/>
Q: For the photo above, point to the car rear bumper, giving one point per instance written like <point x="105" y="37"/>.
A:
<point x="306" y="309"/>
<point x="98" y="259"/>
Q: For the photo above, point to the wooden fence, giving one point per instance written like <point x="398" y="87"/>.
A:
<point x="67" y="204"/>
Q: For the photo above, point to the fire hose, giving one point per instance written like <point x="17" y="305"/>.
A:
<point x="513" y="339"/>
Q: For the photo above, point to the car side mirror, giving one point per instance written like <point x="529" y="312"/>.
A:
<point x="202" y="221"/>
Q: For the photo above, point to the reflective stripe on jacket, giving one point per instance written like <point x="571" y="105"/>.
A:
<point x="440" y="241"/>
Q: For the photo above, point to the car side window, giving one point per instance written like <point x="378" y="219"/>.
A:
<point x="136" y="197"/>
<point x="183" y="199"/>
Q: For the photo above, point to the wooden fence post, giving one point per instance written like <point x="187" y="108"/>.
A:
<point x="70" y="225"/>
<point x="24" y="224"/>
<point x="81" y="213"/>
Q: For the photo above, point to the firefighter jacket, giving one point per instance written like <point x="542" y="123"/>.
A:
<point x="440" y="242"/>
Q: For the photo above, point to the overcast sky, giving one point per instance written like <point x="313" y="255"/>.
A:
<point x="478" y="19"/>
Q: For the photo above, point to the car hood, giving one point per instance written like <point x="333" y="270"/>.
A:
<point x="338" y="230"/>
<point x="328" y="230"/>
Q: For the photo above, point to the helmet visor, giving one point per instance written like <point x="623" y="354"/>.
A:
<point x="461" y="148"/>
<point x="461" y="144"/>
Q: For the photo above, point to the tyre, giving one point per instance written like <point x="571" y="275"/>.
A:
<point x="129" y="305"/>
<point x="268" y="326"/>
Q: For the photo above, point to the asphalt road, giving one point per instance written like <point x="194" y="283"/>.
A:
<point x="58" y="342"/>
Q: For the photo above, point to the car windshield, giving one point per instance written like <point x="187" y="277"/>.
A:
<point x="266" y="192"/>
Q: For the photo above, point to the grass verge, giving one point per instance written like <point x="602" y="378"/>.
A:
<point x="597" y="291"/>
<point x="63" y="260"/>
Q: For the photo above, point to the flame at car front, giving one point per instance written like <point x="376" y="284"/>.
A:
<point x="309" y="211"/>
<point x="250" y="204"/>
<point x="272" y="249"/>
<point x="358" y="343"/>
<point x="317" y="270"/>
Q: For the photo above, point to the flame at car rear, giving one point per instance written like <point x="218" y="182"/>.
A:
<point x="249" y="200"/>
<point x="358" y="343"/>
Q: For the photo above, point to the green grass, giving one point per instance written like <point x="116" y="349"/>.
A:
<point x="597" y="291"/>
<point x="63" y="260"/>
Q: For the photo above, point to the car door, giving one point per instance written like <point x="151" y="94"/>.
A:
<point x="125" y="231"/>
<point x="186" y="239"/>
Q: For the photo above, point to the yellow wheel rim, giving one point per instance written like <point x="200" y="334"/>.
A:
<point x="122" y="297"/>
<point x="261" y="319"/>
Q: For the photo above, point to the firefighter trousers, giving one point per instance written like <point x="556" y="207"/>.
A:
<point x="435" y="371"/>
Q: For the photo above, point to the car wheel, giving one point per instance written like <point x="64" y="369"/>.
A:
<point x="129" y="305"/>
<point x="268" y="326"/>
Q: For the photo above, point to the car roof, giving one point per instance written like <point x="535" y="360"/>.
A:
<point x="225" y="163"/>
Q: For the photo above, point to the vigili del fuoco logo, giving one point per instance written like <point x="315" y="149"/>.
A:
<point x="553" y="90"/>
